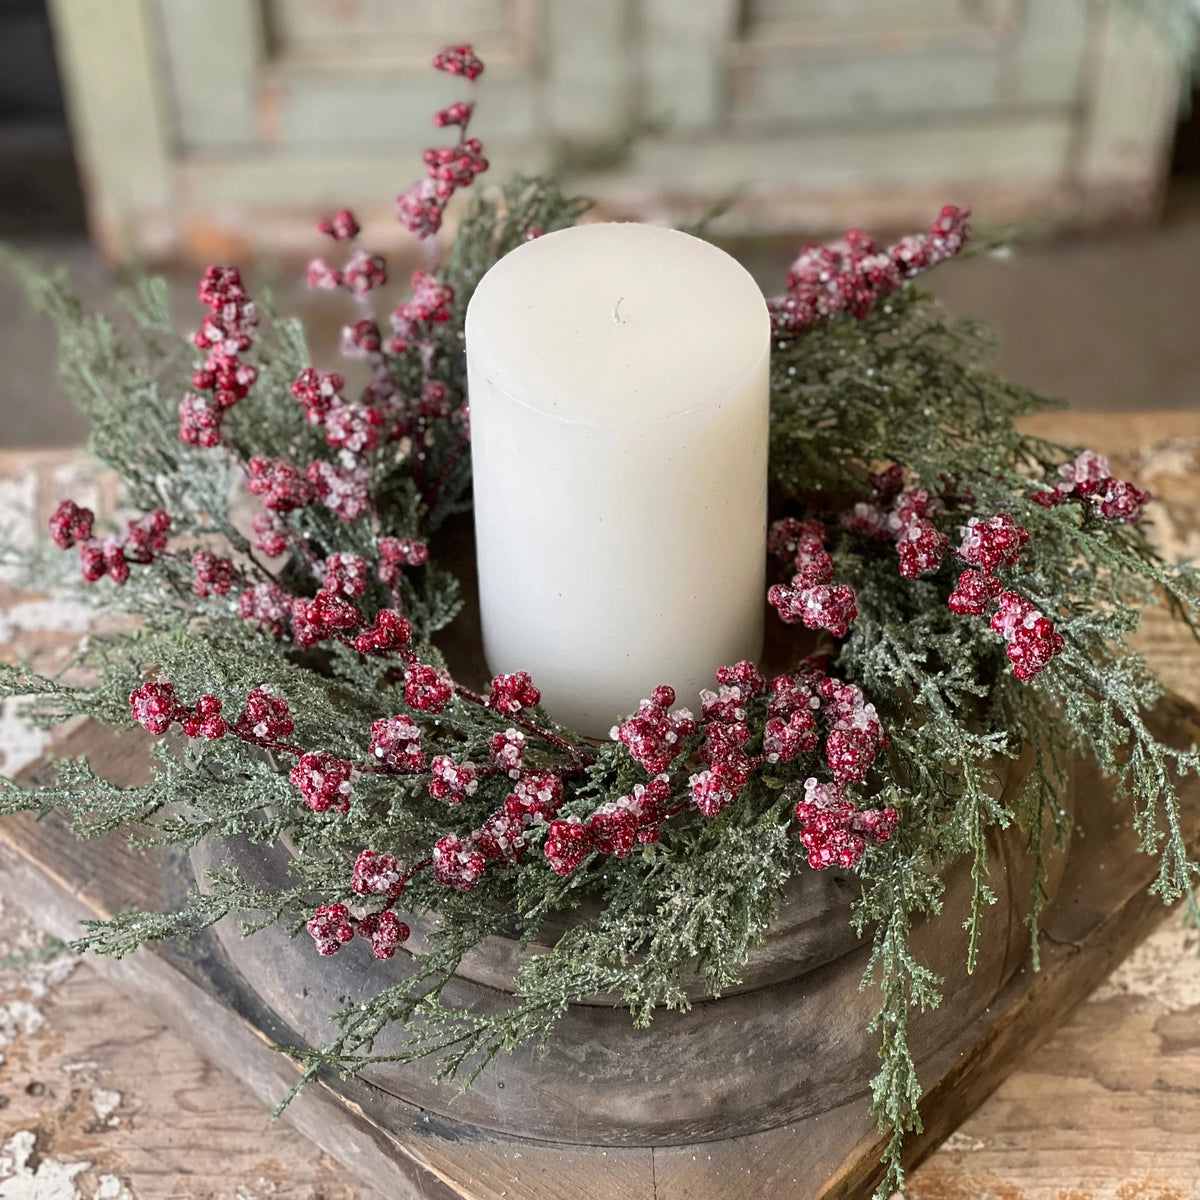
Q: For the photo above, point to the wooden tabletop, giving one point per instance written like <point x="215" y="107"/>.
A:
<point x="99" y="1101"/>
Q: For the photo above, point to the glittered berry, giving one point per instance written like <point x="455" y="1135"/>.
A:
<point x="396" y="743"/>
<point x="507" y="751"/>
<point x="456" y="865"/>
<point x="785" y="740"/>
<point x="921" y="547"/>
<point x="318" y="391"/>
<point x="345" y="491"/>
<point x="267" y="606"/>
<point x="459" y="60"/>
<point x="743" y="675"/>
<point x="325" y="615"/>
<point x="377" y="874"/>
<point x="324" y="782"/>
<point x="568" y="843"/>
<point x="458" y="113"/>
<point x="211" y="574"/>
<point x="427" y="688"/>
<point x="115" y="563"/>
<point x="205" y="720"/>
<point x="386" y="931"/>
<point x="1085" y="474"/>
<point x="500" y="837"/>
<point x="270" y="534"/>
<point x="850" y="753"/>
<point x="353" y="427"/>
<point x="346" y="574"/>
<point x="1033" y="646"/>
<point x="155" y="705"/>
<point x="1119" y="501"/>
<point x="877" y="824"/>
<point x="726" y="705"/>
<point x="71" y="524"/>
<point x="614" y="827"/>
<point x="1014" y="613"/>
<point x="364" y="272"/>
<point x="389" y="633"/>
<point x="867" y="520"/>
<point x="265" y="718"/>
<point x="279" y="484"/>
<point x="536" y="797"/>
<point x="361" y="340"/>
<point x="451" y="782"/>
<point x="331" y="928"/>
<point x="511" y="693"/>
<point x="342" y="226"/>
<point x="783" y="537"/>
<point x="973" y="594"/>
<point x="829" y="606"/>
<point x="419" y="210"/>
<point x="655" y="735"/>
<point x="323" y="276"/>
<point x="715" y="788"/>
<point x="993" y="543"/>
<point x="397" y="553"/>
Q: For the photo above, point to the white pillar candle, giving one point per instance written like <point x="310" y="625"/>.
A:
<point x="618" y="383"/>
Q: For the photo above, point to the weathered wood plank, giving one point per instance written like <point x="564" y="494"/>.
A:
<point x="1103" y="909"/>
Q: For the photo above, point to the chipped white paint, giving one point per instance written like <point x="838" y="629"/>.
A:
<point x="52" y="1178"/>
<point x="959" y="1142"/>
<point x="60" y="612"/>
<point x="109" y="1187"/>
<point x="105" y="1104"/>
<point x="1163" y="969"/>
<point x="20" y="743"/>
<point x="18" y="508"/>
<point x="23" y="985"/>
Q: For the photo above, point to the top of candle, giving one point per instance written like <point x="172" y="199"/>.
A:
<point x="611" y="324"/>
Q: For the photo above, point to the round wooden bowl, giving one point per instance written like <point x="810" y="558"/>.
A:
<point x="789" y="1041"/>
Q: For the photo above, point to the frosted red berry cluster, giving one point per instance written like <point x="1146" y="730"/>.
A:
<point x="833" y="831"/>
<point x="812" y="596"/>
<point x="988" y="545"/>
<point x="223" y="378"/>
<point x="145" y="541"/>
<point x="422" y="207"/>
<point x="1089" y="481"/>
<point x="904" y="514"/>
<point x="851" y="275"/>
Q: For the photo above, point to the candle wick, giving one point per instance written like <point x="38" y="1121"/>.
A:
<point x="617" y="311"/>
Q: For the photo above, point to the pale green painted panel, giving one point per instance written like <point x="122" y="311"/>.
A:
<point x="972" y="151"/>
<point x="116" y="106"/>
<point x="902" y="24"/>
<point x="314" y="27"/>
<point x="310" y="182"/>
<point x="588" y="90"/>
<point x="684" y="46"/>
<point x="395" y="110"/>
<point x="212" y="50"/>
<point x="1135" y="93"/>
<point x="1045" y="64"/>
<point x="790" y="90"/>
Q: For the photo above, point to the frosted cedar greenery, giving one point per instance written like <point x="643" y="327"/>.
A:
<point x="971" y="588"/>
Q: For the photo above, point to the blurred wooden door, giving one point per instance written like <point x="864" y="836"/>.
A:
<point x="203" y="125"/>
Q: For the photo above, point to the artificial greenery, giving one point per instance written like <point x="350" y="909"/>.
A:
<point x="903" y="385"/>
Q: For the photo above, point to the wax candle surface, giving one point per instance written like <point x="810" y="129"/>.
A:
<point x="618" y="383"/>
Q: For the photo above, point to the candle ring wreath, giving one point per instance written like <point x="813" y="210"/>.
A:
<point x="949" y="592"/>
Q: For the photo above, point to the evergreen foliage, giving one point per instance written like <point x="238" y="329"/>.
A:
<point x="904" y="385"/>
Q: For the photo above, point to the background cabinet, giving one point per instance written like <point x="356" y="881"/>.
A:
<point x="206" y="126"/>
